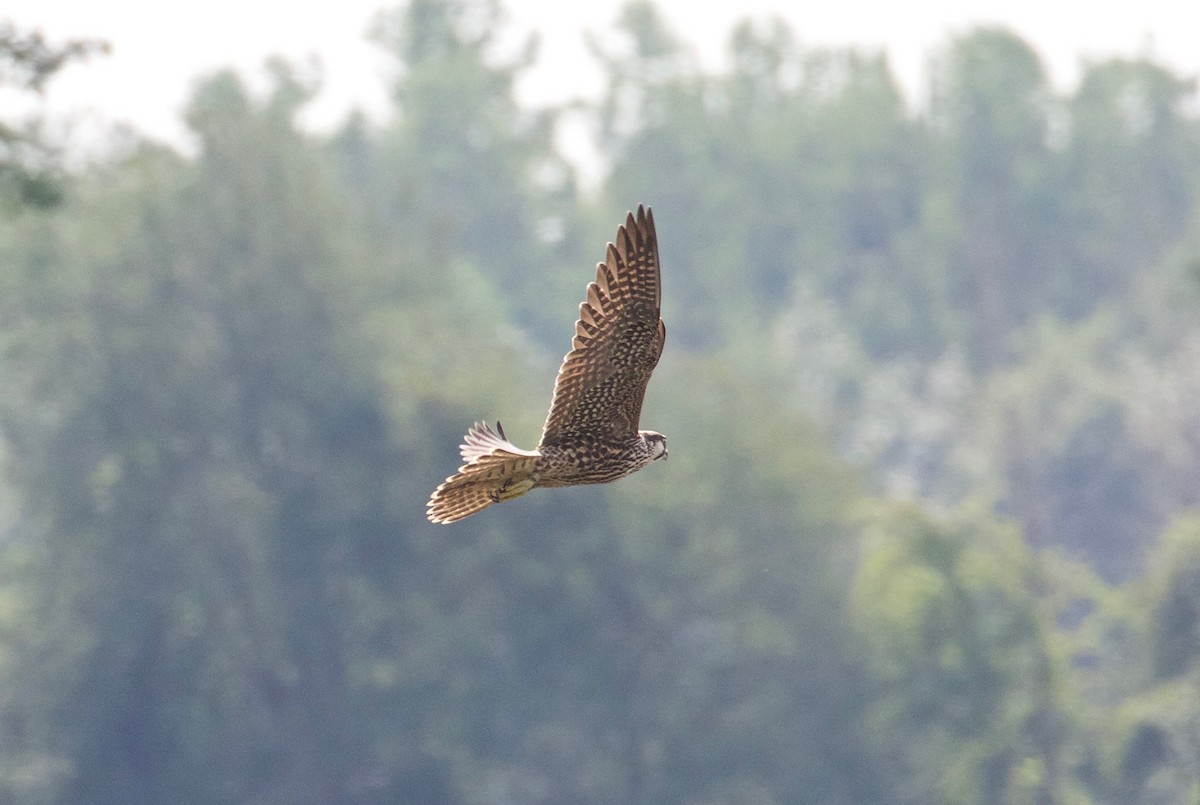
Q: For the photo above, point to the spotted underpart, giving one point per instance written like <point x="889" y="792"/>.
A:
<point x="591" y="433"/>
<point x="588" y="459"/>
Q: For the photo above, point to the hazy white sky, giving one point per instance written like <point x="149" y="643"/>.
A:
<point x="159" y="47"/>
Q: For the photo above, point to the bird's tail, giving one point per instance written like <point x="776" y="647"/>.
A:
<point x="495" y="470"/>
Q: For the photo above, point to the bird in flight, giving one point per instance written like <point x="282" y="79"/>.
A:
<point x="591" y="435"/>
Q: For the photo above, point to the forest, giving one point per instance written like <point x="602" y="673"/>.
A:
<point x="927" y="536"/>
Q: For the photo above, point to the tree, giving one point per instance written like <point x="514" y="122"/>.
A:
<point x="231" y="379"/>
<point x="970" y="706"/>
<point x="197" y="504"/>
<point x="1057" y="433"/>
<point x="798" y="167"/>
<point x="28" y="170"/>
<point x="462" y="172"/>
<point x="1132" y="169"/>
<point x="672" y="641"/>
<point x="989" y="122"/>
<point x="1152" y="743"/>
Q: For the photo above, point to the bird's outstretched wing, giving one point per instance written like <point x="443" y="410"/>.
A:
<point x="618" y="340"/>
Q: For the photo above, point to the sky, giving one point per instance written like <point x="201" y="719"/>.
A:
<point x="160" y="48"/>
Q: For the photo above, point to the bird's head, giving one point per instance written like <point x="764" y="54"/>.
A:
<point x="656" y="442"/>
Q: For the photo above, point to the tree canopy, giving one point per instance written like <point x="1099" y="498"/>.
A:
<point x="925" y="535"/>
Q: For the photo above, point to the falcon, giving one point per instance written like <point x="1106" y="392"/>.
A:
<point x="591" y="434"/>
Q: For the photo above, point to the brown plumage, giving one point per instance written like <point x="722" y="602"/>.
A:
<point x="591" y="434"/>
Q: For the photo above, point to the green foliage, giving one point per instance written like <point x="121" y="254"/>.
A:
<point x="1074" y="466"/>
<point x="817" y="140"/>
<point x="464" y="172"/>
<point x="1149" y="750"/>
<point x="211" y="434"/>
<point x="1132" y="164"/>
<point x="232" y="378"/>
<point x="990" y="115"/>
<point x="28" y="171"/>
<point x="970" y="704"/>
<point x="1173" y="579"/>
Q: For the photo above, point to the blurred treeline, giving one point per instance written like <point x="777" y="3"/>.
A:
<point x="932" y="391"/>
